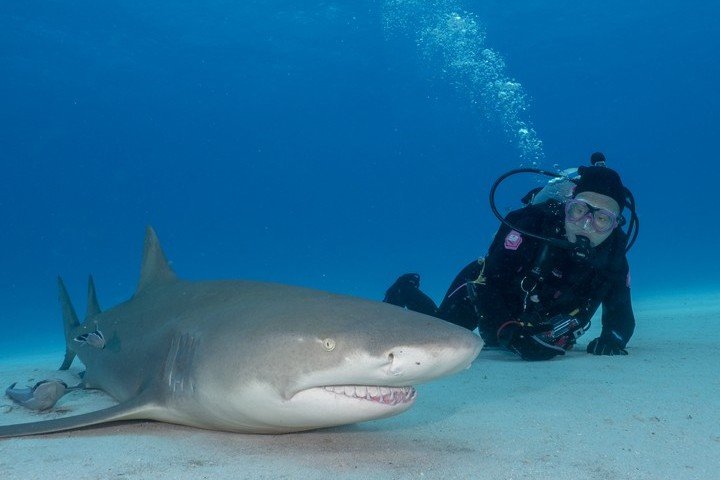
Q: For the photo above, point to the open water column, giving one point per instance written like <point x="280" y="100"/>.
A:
<point x="453" y="38"/>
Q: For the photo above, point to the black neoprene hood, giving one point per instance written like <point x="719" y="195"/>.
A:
<point x="603" y="180"/>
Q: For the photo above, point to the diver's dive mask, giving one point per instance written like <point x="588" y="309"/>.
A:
<point x="582" y="213"/>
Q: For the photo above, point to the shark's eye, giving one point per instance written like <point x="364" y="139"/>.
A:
<point x="329" y="344"/>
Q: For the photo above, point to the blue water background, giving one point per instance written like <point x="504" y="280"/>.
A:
<point x="309" y="143"/>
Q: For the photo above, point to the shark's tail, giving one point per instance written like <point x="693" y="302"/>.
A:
<point x="70" y="322"/>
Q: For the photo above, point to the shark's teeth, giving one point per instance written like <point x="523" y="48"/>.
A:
<point x="383" y="395"/>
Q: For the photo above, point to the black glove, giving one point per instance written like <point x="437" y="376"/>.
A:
<point x="405" y="292"/>
<point x="607" y="344"/>
<point x="527" y="341"/>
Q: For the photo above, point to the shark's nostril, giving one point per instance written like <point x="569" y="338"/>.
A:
<point x="395" y="363"/>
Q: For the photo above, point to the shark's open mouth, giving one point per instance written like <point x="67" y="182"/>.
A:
<point x="384" y="395"/>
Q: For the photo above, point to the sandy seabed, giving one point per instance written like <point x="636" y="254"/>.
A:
<point x="654" y="414"/>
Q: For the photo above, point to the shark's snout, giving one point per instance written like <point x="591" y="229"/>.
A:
<point x="418" y="364"/>
<point x="404" y="361"/>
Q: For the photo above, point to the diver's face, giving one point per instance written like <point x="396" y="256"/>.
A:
<point x="587" y="226"/>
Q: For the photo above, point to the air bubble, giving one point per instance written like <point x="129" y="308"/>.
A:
<point x="452" y="40"/>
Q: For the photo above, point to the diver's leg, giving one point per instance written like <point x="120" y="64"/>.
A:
<point x="460" y="305"/>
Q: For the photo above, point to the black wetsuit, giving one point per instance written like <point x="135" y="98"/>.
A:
<point x="489" y="292"/>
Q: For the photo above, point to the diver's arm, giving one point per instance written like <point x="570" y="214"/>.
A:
<point x="618" y="320"/>
<point x="617" y="312"/>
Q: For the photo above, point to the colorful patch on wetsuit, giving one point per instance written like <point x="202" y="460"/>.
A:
<point x="513" y="240"/>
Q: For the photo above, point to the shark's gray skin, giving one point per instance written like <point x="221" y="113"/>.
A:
<point x="252" y="357"/>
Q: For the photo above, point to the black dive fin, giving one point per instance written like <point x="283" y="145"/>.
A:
<point x="130" y="410"/>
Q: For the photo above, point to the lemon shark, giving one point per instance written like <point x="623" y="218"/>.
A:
<point x="251" y="357"/>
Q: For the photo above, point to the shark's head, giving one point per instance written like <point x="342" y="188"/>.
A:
<point x="317" y="360"/>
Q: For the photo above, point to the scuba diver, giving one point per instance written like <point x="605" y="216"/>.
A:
<point x="550" y="266"/>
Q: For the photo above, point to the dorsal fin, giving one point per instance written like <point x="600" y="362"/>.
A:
<point x="93" y="307"/>
<point x="155" y="269"/>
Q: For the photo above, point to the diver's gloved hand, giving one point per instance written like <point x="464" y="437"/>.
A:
<point x="528" y="341"/>
<point x="405" y="292"/>
<point x="610" y="343"/>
